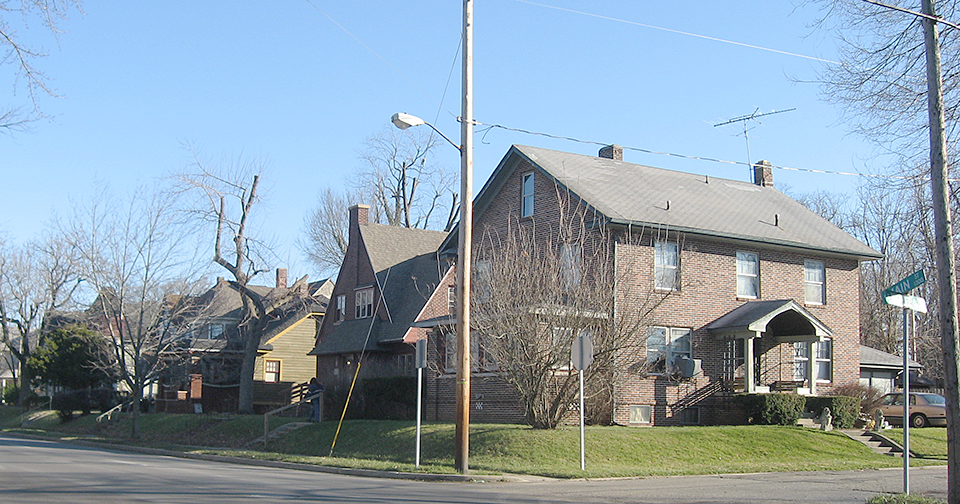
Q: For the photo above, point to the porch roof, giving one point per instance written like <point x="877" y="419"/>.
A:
<point x="784" y="319"/>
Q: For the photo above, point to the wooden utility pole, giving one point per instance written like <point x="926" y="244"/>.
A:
<point x="946" y="272"/>
<point x="464" y="248"/>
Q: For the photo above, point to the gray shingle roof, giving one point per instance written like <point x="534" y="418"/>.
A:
<point x="407" y="269"/>
<point x="628" y="193"/>
<point x="873" y="358"/>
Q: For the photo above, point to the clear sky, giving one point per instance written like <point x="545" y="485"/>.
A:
<point x="300" y="84"/>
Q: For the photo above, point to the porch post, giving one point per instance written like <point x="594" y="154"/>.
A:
<point x="812" y="367"/>
<point x="749" y="381"/>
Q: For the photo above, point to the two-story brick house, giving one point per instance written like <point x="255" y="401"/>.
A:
<point x="390" y="277"/>
<point x="756" y="293"/>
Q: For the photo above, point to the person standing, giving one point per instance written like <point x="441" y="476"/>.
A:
<point x="314" y="390"/>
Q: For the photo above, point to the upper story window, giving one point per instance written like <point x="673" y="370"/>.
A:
<point x="481" y="281"/>
<point x="666" y="266"/>
<point x="748" y="275"/>
<point x="364" y="303"/>
<point x="451" y="300"/>
<point x="526" y="195"/>
<point x="665" y="345"/>
<point x="570" y="271"/>
<point x="814" y="283"/>
<point x="215" y="331"/>
<point x="341" y="308"/>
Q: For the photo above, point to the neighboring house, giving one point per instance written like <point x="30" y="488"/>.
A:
<point x="757" y="291"/>
<point x="881" y="370"/>
<point x="8" y="364"/>
<point x="205" y="365"/>
<point x="389" y="277"/>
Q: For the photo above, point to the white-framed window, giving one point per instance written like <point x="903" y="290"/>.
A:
<point x="822" y="359"/>
<point x="451" y="300"/>
<point x="215" y="331"/>
<point x="450" y="352"/>
<point x="665" y="345"/>
<point x="481" y="281"/>
<point x="666" y="266"/>
<point x="526" y="195"/>
<point x="341" y="308"/>
<point x="271" y="371"/>
<point x="748" y="275"/>
<point x="364" y="303"/>
<point x="560" y="340"/>
<point x="570" y="271"/>
<point x="640" y="413"/>
<point x="814" y="283"/>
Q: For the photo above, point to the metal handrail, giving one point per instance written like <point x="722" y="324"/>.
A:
<point x="109" y="413"/>
<point x="267" y="415"/>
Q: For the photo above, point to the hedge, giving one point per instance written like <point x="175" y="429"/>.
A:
<point x="845" y="410"/>
<point x="773" y="409"/>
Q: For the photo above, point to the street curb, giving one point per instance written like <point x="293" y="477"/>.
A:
<point x="366" y="473"/>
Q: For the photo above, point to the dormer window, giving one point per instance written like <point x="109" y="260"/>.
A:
<point x="341" y="308"/>
<point x="526" y="195"/>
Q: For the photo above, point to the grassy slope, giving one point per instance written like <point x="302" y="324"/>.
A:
<point x="928" y="443"/>
<point x="611" y="451"/>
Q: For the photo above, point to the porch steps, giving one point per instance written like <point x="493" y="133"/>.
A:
<point x="875" y="441"/>
<point x="278" y="432"/>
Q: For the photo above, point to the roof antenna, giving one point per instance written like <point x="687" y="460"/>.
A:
<point x="746" y="118"/>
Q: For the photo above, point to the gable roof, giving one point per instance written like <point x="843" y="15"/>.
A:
<point x="783" y="318"/>
<point x="637" y="195"/>
<point x="407" y="270"/>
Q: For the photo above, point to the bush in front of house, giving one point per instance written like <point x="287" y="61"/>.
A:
<point x="869" y="396"/>
<point x="772" y="409"/>
<point x="845" y="410"/>
<point x="65" y="403"/>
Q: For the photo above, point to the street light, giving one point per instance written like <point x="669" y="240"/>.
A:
<point x="404" y="120"/>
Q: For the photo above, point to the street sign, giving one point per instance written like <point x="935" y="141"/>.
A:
<point x="421" y="352"/>
<point x="915" y="303"/>
<point x="581" y="355"/>
<point x="906" y="285"/>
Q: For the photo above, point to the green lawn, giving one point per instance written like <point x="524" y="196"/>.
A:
<point x="926" y="443"/>
<point x="494" y="449"/>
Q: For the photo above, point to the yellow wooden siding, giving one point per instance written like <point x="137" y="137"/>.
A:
<point x="290" y="348"/>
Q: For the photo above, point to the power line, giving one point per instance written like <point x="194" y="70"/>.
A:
<point x="695" y="158"/>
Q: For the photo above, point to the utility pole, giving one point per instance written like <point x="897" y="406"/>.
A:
<point x="464" y="248"/>
<point x="946" y="269"/>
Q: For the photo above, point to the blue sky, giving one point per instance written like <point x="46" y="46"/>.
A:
<point x="285" y="83"/>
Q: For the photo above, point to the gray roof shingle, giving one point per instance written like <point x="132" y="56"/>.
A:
<point x="628" y="193"/>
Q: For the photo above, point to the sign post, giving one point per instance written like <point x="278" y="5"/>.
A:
<point x="895" y="295"/>
<point x="581" y="355"/>
<point x="421" y="350"/>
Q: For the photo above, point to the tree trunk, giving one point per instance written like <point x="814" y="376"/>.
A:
<point x="251" y="342"/>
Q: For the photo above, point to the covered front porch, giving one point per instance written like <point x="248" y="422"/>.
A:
<point x="772" y="346"/>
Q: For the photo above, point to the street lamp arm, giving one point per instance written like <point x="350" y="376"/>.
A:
<point x="403" y="121"/>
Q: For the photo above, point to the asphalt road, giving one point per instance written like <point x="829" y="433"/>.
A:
<point x="33" y="471"/>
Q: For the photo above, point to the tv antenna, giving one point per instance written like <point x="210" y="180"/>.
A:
<point x="755" y="116"/>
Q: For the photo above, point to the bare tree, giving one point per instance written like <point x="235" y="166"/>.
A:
<point x="402" y="182"/>
<point x="36" y="279"/>
<point x="22" y="56"/>
<point x="134" y="255"/>
<point x="228" y="200"/>
<point x="534" y="293"/>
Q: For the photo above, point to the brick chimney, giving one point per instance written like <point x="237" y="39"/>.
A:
<point x="281" y="278"/>
<point x="359" y="214"/>
<point x="763" y="173"/>
<point x="612" y="151"/>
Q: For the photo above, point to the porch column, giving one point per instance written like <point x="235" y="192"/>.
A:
<point x="812" y="367"/>
<point x="749" y="381"/>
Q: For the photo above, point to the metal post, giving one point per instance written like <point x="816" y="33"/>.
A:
<point x="583" y="456"/>
<point x="906" y="407"/>
<point x="464" y="248"/>
<point x="419" y="409"/>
